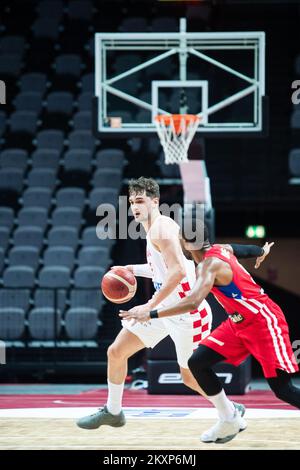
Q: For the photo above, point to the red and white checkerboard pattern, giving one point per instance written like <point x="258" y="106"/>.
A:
<point x="202" y="320"/>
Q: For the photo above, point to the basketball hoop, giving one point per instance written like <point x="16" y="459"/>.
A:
<point x="176" y="132"/>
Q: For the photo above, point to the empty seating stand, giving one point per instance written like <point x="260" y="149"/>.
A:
<point x="107" y="177"/>
<point x="23" y="127"/>
<point x="59" y="256"/>
<point x="110" y="158"/>
<point x="51" y="259"/>
<point x="66" y="216"/>
<point x="44" y="323"/>
<point x="63" y="236"/>
<point x="88" y="276"/>
<point x="12" y="324"/>
<point x="33" y="82"/>
<point x="24" y="256"/>
<point x="94" y="256"/>
<point x="28" y="236"/>
<point x="42" y="177"/>
<point x="55" y="277"/>
<point x="71" y="197"/>
<point x="4" y="237"/>
<point x="14" y="158"/>
<point x="15" y="298"/>
<point x="34" y="216"/>
<point x="29" y="101"/>
<point x="89" y="298"/>
<point x="82" y="323"/>
<point x="78" y="161"/>
<point x="19" y="277"/>
<point x="50" y="139"/>
<point x="94" y="237"/>
<point x="6" y="217"/>
<point x="37" y="197"/>
<point x="50" y="298"/>
<point x="45" y="158"/>
<point x="58" y="109"/>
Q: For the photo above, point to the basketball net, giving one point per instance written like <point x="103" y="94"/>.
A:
<point x="176" y="132"/>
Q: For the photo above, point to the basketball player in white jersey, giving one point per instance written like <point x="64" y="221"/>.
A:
<point x="173" y="277"/>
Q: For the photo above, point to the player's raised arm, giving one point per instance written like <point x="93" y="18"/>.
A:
<point x="266" y="250"/>
<point x="250" y="251"/>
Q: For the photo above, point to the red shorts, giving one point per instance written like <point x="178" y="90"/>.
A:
<point x="265" y="335"/>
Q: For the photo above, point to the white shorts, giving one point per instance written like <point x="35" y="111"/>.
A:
<point x="186" y="331"/>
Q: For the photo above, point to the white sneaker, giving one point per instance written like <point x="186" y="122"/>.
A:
<point x="224" y="431"/>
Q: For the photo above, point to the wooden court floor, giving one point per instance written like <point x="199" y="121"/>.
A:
<point x="169" y="434"/>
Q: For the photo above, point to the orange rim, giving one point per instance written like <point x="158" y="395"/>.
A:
<point x="176" y="119"/>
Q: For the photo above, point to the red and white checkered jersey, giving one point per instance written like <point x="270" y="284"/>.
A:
<point x="159" y="271"/>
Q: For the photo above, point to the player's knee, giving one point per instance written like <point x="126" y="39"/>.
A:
<point x="115" y="352"/>
<point x="193" y="363"/>
<point x="111" y="352"/>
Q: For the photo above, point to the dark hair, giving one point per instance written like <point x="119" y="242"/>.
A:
<point x="189" y="227"/>
<point x="142" y="184"/>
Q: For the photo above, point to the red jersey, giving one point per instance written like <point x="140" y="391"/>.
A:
<point x="243" y="295"/>
<point x="256" y="325"/>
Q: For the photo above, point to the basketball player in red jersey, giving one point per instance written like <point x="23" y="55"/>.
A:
<point x="256" y="325"/>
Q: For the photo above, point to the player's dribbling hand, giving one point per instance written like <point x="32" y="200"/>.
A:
<point x="128" y="266"/>
<point x="267" y="247"/>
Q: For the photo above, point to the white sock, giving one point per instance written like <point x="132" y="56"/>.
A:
<point x="114" y="399"/>
<point x="224" y="406"/>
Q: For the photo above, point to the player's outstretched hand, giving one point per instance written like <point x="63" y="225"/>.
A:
<point x="138" y="314"/>
<point x="267" y="247"/>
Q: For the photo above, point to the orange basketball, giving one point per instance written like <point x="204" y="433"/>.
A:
<point x="119" y="285"/>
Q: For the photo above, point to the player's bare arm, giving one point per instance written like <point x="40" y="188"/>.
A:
<point x="208" y="272"/>
<point x="169" y="246"/>
<point x="139" y="270"/>
<point x="165" y="239"/>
